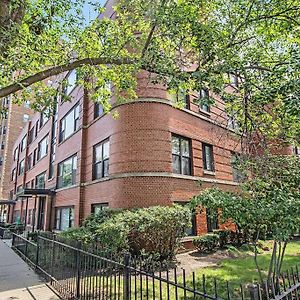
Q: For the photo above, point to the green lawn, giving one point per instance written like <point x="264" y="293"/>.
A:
<point x="242" y="270"/>
<point x="237" y="271"/>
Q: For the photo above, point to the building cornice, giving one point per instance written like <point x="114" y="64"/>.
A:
<point x="161" y="175"/>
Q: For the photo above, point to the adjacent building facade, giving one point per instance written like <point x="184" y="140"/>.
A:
<point x="13" y="118"/>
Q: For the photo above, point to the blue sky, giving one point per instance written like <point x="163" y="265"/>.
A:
<point x="88" y="9"/>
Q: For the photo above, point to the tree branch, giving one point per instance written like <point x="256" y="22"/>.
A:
<point x="40" y="76"/>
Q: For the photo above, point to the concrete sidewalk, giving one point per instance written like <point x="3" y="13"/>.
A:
<point x="16" y="277"/>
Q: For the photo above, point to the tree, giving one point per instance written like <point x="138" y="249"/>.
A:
<point x="185" y="44"/>
<point x="268" y="204"/>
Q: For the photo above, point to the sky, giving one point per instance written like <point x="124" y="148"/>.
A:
<point x="88" y="9"/>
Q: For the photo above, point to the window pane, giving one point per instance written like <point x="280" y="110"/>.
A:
<point x="105" y="150"/>
<point x="185" y="148"/>
<point x="75" y="163"/>
<point x="98" y="153"/>
<point x="175" y="145"/>
<point x="203" y="94"/>
<point x="176" y="164"/>
<point x="57" y="219"/>
<point x="69" y="123"/>
<point x="98" y="170"/>
<point x="208" y="158"/>
<point x="65" y="218"/>
<point x="105" y="168"/>
<point x="205" y="107"/>
<point x="186" y="169"/>
<point x="71" y="81"/>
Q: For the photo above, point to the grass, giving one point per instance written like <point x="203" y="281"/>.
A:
<point x="242" y="270"/>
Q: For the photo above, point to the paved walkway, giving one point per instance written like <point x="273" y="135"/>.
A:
<point x="17" y="280"/>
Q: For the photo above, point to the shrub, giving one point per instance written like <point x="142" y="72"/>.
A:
<point x="157" y="230"/>
<point x="224" y="236"/>
<point x="154" y="231"/>
<point x="207" y="243"/>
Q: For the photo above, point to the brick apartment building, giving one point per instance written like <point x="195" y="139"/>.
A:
<point x="13" y="118"/>
<point x="80" y="160"/>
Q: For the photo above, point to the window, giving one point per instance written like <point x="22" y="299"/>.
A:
<point x="64" y="218"/>
<point x="20" y="188"/>
<point x="2" y="145"/>
<point x="4" y="130"/>
<point x="208" y="157"/>
<point x="101" y="160"/>
<point x="203" y="98"/>
<point x="96" y="208"/>
<point x="22" y="167"/>
<point x="34" y="157"/>
<point x="52" y="160"/>
<point x="233" y="80"/>
<point x="42" y="148"/>
<point x="181" y="97"/>
<point x="212" y="220"/>
<point x="16" y="153"/>
<point x="69" y="124"/>
<point x="233" y="123"/>
<point x="13" y="174"/>
<point x="23" y="143"/>
<point x="181" y="155"/>
<point x="71" y="82"/>
<point x="29" y="161"/>
<point x="44" y="117"/>
<point x="30" y="135"/>
<point x="1" y="160"/>
<point x="40" y="181"/>
<point x="25" y="118"/>
<point x="67" y="172"/>
<point x="27" y="104"/>
<point x="98" y="108"/>
<point x="296" y="150"/>
<point x="237" y="175"/>
<point x="36" y="128"/>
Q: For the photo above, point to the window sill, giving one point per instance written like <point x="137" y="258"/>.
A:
<point x="41" y="159"/>
<point x="66" y="187"/>
<point x="212" y="173"/>
<point x="70" y="136"/>
<point x="203" y="112"/>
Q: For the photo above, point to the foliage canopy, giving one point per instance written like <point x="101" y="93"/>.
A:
<point x="187" y="44"/>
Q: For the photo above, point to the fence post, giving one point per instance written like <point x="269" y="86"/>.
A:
<point x="13" y="240"/>
<point x="37" y="253"/>
<point x="26" y="247"/>
<point x="254" y="292"/>
<point x="126" y="279"/>
<point x="78" y="270"/>
<point x="52" y="259"/>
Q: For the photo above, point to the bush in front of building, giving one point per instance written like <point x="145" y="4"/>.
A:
<point x="154" y="231"/>
<point x="207" y="243"/>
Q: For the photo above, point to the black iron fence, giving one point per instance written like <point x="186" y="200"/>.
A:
<point x="78" y="274"/>
<point x="6" y="230"/>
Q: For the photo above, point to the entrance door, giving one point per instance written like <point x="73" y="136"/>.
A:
<point x="41" y="213"/>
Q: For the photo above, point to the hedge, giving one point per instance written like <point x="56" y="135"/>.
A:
<point x="154" y="231"/>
